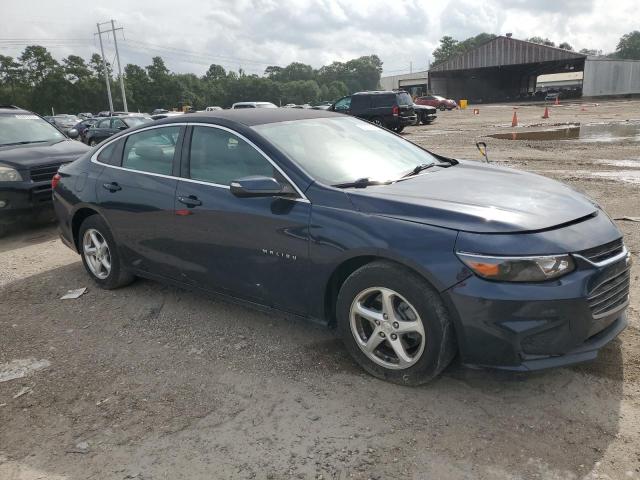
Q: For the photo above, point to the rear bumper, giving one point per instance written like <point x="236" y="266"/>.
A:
<point x="404" y="121"/>
<point x="532" y="326"/>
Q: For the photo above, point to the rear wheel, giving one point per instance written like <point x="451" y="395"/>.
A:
<point x="100" y="254"/>
<point x="378" y="121"/>
<point x="399" y="129"/>
<point x="442" y="108"/>
<point x="394" y="324"/>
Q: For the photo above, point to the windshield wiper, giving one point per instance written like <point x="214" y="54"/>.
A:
<point x="360" y="183"/>
<point x="420" y="168"/>
<point x="23" y="143"/>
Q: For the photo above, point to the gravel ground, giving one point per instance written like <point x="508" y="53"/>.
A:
<point x="152" y="382"/>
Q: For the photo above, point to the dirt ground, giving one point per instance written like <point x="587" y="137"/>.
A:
<point x="151" y="382"/>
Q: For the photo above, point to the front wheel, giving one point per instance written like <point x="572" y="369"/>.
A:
<point x="100" y="255"/>
<point x="92" y="142"/>
<point x="442" y="108"/>
<point x="394" y="324"/>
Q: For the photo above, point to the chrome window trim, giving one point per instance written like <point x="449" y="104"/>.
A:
<point x="94" y="157"/>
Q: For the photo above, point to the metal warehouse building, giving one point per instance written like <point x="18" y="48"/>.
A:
<point x="507" y="69"/>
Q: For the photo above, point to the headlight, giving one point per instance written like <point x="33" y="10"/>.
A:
<point x="518" y="269"/>
<point x="8" y="174"/>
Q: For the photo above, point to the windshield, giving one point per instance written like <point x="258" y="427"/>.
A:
<point x="345" y="149"/>
<point x="26" y="128"/>
<point x="135" y="121"/>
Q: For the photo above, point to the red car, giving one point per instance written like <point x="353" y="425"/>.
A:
<point x="437" y="101"/>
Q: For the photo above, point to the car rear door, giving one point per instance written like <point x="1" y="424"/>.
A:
<point x="136" y="194"/>
<point x="251" y="248"/>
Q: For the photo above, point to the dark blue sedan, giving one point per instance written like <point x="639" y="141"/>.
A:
<point x="413" y="257"/>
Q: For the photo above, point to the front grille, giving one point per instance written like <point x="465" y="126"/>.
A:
<point x="603" y="252"/>
<point x="44" y="173"/>
<point x="610" y="295"/>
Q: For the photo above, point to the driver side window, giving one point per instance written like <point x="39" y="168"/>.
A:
<point x="218" y="156"/>
<point x="343" y="104"/>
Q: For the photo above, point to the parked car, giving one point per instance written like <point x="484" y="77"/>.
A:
<point x="160" y="116"/>
<point x="212" y="109"/>
<point x="437" y="101"/>
<point x="425" y="114"/>
<point x="106" y="127"/>
<point x="31" y="150"/>
<point x="84" y="115"/>
<point x="159" y="111"/>
<point x="551" y="96"/>
<point x="253" y="105"/>
<point x="414" y="257"/>
<point x="389" y="109"/>
<point x="82" y="127"/>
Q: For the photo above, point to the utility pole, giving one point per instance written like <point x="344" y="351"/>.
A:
<point x="115" y="43"/>
<point x="104" y="68"/>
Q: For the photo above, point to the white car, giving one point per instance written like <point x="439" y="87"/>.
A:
<point x="253" y="105"/>
<point x="212" y="109"/>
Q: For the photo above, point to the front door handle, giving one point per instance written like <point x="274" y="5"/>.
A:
<point x="112" y="187"/>
<point x="190" y="201"/>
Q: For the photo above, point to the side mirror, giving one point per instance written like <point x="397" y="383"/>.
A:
<point x="257" y="186"/>
<point x="73" y="133"/>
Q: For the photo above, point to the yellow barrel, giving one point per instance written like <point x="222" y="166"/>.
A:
<point x="463" y="104"/>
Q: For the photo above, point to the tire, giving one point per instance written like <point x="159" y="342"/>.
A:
<point x="425" y="357"/>
<point x="399" y="129"/>
<point x="442" y="108"/>
<point x="378" y="121"/>
<point x="92" y="142"/>
<point x="108" y="278"/>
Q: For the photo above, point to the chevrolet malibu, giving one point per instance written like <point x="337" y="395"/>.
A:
<point x="413" y="257"/>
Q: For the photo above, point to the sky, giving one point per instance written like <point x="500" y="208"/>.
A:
<point x="252" y="34"/>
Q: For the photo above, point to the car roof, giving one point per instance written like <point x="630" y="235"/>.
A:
<point x="251" y="117"/>
<point x="11" y="109"/>
<point x="380" y="92"/>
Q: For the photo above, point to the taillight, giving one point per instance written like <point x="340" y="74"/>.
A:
<point x="55" y="180"/>
<point x="395" y="110"/>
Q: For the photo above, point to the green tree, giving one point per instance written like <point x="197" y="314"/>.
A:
<point x="215" y="72"/>
<point x="447" y="49"/>
<point x="589" y="51"/>
<point x="76" y="69"/>
<point x="37" y="63"/>
<point x="541" y="41"/>
<point x="629" y="46"/>
<point x="565" y="46"/>
<point x="337" y="89"/>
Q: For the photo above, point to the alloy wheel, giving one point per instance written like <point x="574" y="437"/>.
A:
<point x="96" y="253"/>
<point x="387" y="328"/>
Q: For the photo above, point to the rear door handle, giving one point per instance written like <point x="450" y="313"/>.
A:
<point x="190" y="201"/>
<point x="112" y="187"/>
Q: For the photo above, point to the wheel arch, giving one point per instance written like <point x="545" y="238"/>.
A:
<point x="80" y="216"/>
<point x="350" y="265"/>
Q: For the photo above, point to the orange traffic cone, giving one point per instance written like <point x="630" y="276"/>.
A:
<point x="514" y="121"/>
<point x="558" y="100"/>
<point x="546" y="112"/>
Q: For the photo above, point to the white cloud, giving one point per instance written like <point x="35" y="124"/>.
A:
<point x="254" y="33"/>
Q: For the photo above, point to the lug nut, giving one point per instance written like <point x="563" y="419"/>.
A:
<point x="385" y="316"/>
<point x="377" y="322"/>
<point x="382" y="334"/>
<point x="396" y="325"/>
<point x="394" y="336"/>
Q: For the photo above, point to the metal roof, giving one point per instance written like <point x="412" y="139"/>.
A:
<point x="503" y="51"/>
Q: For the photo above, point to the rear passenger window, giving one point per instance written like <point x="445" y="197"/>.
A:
<point x="378" y="101"/>
<point x="220" y="157"/>
<point x="359" y="102"/>
<point x="109" y="154"/>
<point x="152" y="150"/>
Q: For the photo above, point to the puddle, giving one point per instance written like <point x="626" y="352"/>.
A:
<point x="621" y="163"/>
<point x="583" y="133"/>
<point x="626" y="176"/>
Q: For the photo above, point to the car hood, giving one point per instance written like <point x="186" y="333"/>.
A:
<point x="33" y="154"/>
<point x="476" y="197"/>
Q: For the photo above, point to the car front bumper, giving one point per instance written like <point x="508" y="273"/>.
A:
<point x="23" y="198"/>
<point x="529" y="326"/>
